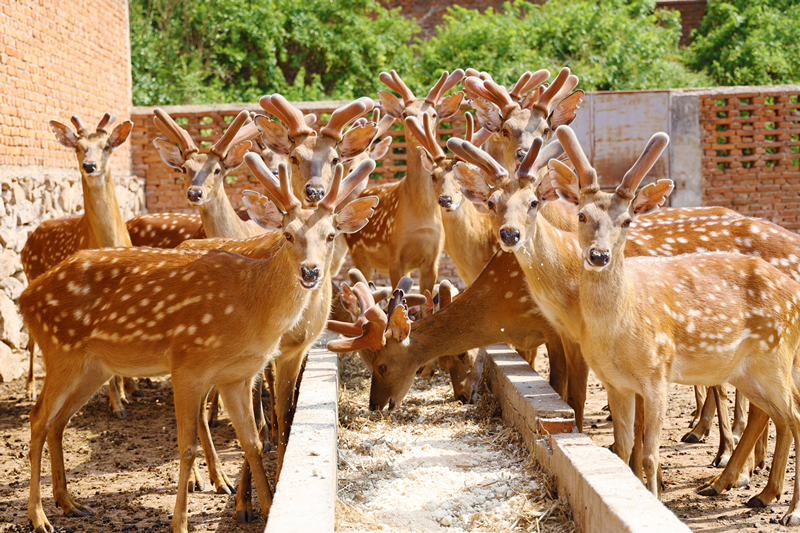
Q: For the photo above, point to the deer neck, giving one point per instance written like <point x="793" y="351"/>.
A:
<point x="417" y="186"/>
<point x="220" y="219"/>
<point x="605" y="298"/>
<point x="102" y="214"/>
<point x="551" y="262"/>
<point x="468" y="240"/>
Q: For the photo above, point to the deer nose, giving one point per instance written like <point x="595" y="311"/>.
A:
<point x="598" y="258"/>
<point x="194" y="195"/>
<point x="372" y="406"/>
<point x="510" y="237"/>
<point x="313" y="193"/>
<point x="445" y="201"/>
<point x="463" y="398"/>
<point x="520" y="154"/>
<point x="89" y="167"/>
<point x="392" y="405"/>
<point x="310" y="275"/>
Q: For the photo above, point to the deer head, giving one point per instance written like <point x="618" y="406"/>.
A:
<point x="205" y="173"/>
<point x="309" y="233"/>
<point x="604" y="218"/>
<point x="93" y="150"/>
<point x="312" y="156"/>
<point x="512" y="202"/>
<point x="434" y="105"/>
<point x="516" y="117"/>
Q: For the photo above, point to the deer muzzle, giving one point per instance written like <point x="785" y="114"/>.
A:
<point x="309" y="276"/>
<point x="314" y="193"/>
<point x="598" y="258"/>
<point x="509" y="236"/>
<point x="90" y="167"/>
<point x="194" y="194"/>
<point x="446" y="202"/>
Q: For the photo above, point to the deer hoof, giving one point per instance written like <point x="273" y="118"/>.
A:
<point x="224" y="488"/>
<point x="121" y="414"/>
<point x="246" y="516"/>
<point x="196" y="485"/>
<point x="790" y="519"/>
<point x="721" y="461"/>
<point x="690" y="438"/>
<point x="743" y="481"/>
<point x="707" y="490"/>
<point x="137" y="393"/>
<point x="213" y="423"/>
<point x="755" y="503"/>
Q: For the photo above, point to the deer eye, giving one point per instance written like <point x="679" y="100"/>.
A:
<point x="106" y="148"/>
<point x="490" y="205"/>
<point x="545" y="132"/>
<point x="217" y="171"/>
<point x="581" y="217"/>
<point x="288" y="236"/>
<point x="293" y="160"/>
<point x="382" y="369"/>
<point x="335" y="161"/>
<point x="506" y="133"/>
<point x="331" y="237"/>
<point x="534" y="204"/>
<point x="626" y="223"/>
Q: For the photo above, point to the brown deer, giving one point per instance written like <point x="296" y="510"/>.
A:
<point x="100" y="226"/>
<point x="406" y="233"/>
<point x="696" y="318"/>
<point x="141" y="311"/>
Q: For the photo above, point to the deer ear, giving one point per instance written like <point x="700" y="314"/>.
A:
<point x="547" y="190"/>
<point x="170" y="153"/>
<point x="120" y="133"/>
<point x="565" y="111"/>
<point x="450" y="106"/>
<point x="235" y="155"/>
<point x="380" y="149"/>
<point x="473" y="186"/>
<point x="488" y="115"/>
<point x="355" y="215"/>
<point x="564" y="182"/>
<point x="262" y="211"/>
<point x="391" y="104"/>
<point x="651" y="197"/>
<point x="356" y="140"/>
<point x="427" y="160"/>
<point x="275" y="135"/>
<point x="399" y="324"/>
<point x="64" y="134"/>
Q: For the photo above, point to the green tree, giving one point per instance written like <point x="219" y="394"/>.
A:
<point x="610" y="44"/>
<point x="748" y="42"/>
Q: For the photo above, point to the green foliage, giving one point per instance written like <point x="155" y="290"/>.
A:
<point x="610" y="44"/>
<point x="748" y="42"/>
<point x="204" y="51"/>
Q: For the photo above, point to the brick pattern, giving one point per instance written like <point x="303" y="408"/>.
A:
<point x="751" y="145"/>
<point x="58" y="60"/>
<point x="429" y="13"/>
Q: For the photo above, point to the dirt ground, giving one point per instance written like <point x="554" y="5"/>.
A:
<point x="687" y="466"/>
<point x="125" y="471"/>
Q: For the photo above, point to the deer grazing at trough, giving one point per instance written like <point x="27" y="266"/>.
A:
<point x="648" y="322"/>
<point x="141" y="311"/>
<point x="406" y="232"/>
<point x="100" y="226"/>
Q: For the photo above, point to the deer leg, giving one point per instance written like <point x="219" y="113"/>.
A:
<point x="704" y="415"/>
<point x="132" y="387"/>
<point x="739" y="420"/>
<point x="30" y="383"/>
<point x="215" y="471"/>
<point x="244" y="505"/>
<point x="622" y="407"/>
<point x="638" y="436"/>
<point x="699" y="400"/>
<point x="188" y="396"/>
<point x="269" y="374"/>
<point x="792" y="517"/>
<point x="559" y="375"/>
<point x="578" y="372"/>
<point x="655" y="409"/>
<point x="287" y="371"/>
<point x="115" y="398"/>
<point x="726" y="445"/>
<point x="213" y="416"/>
<point x="238" y="399"/>
<point x="87" y="384"/>
<point x="734" y="474"/>
<point x="777" y="471"/>
<point x="760" y="453"/>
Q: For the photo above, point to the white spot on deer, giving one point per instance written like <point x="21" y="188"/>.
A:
<point x="229" y="310"/>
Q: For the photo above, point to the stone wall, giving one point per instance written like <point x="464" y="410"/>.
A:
<point x="57" y="59"/>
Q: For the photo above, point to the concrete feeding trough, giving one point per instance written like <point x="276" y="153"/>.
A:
<point x="602" y="491"/>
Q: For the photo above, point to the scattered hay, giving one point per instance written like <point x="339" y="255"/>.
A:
<point x="436" y="465"/>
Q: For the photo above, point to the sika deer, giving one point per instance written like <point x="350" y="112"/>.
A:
<point x="100" y="226"/>
<point x="144" y="312"/>
<point x="406" y="232"/>
<point x="643" y="327"/>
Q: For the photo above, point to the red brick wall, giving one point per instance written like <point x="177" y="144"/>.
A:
<point x="59" y="59"/>
<point x="428" y="13"/>
<point x="751" y="145"/>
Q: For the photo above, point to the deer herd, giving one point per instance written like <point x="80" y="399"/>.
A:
<point x="642" y="296"/>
